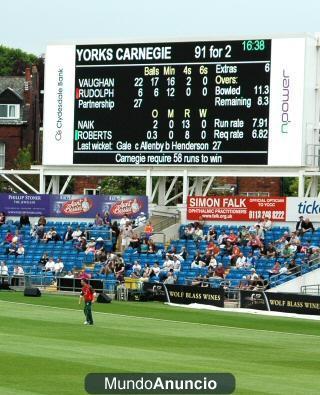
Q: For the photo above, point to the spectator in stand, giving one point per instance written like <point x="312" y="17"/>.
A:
<point x="98" y="221"/>
<point x="243" y="236"/>
<point x="42" y="221"/>
<point x="307" y="226"/>
<point x="119" y="270"/>
<point x="107" y="219"/>
<point x="253" y="279"/>
<point x="135" y="242"/>
<point x="212" y="263"/>
<point x="232" y="237"/>
<point x="219" y="271"/>
<point x="228" y="248"/>
<point x="271" y="251"/>
<point x="155" y="269"/>
<point x="235" y="254"/>
<point x="99" y="249"/>
<point x="199" y="261"/>
<point x="39" y="232"/>
<point x="20" y="250"/>
<point x="124" y="221"/>
<point x="115" y="235"/>
<point x="4" y="269"/>
<point x="17" y="238"/>
<point x="151" y="247"/>
<point x="183" y="254"/>
<point x="67" y="236"/>
<point x="136" y="267"/>
<point x="167" y="264"/>
<point x="69" y="274"/>
<point x="8" y="239"/>
<point x="44" y="259"/>
<point x="58" y="267"/>
<point x="213" y="248"/>
<point x="176" y="264"/>
<point x="222" y="239"/>
<point x="51" y="235"/>
<point x="295" y="239"/>
<point x="83" y="275"/>
<point x="293" y="268"/>
<point x="212" y="234"/>
<point x="12" y="249"/>
<point x="24" y="220"/>
<point x="241" y="262"/>
<point x="251" y="259"/>
<point x="287" y="252"/>
<point x="171" y="278"/>
<point x="126" y="236"/>
<point x="17" y="272"/>
<point x="314" y="257"/>
<point x="266" y="223"/>
<point x="144" y="247"/>
<point x="2" y="218"/>
<point x="254" y="242"/>
<point x="188" y="232"/>
<point x="148" y="230"/>
<point x="91" y="246"/>
<point x="198" y="234"/>
<point x="81" y="245"/>
<point x="275" y="269"/>
<point x="146" y="272"/>
<point x="77" y="234"/>
<point x="49" y="266"/>
<point x="299" y="225"/>
<point x="259" y="232"/>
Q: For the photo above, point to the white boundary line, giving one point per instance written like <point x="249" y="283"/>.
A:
<point x="165" y="320"/>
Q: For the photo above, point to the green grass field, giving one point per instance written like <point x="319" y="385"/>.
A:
<point x="46" y="349"/>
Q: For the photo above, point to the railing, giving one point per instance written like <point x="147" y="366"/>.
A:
<point x="45" y="281"/>
<point x="310" y="289"/>
<point x="304" y="268"/>
<point x="166" y="222"/>
<point x="143" y="235"/>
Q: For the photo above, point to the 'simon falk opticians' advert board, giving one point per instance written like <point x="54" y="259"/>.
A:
<point x="198" y="103"/>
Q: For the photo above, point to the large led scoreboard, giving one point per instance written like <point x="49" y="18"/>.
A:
<point x="203" y="103"/>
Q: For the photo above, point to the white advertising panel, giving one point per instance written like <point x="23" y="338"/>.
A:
<point x="307" y="207"/>
<point x="59" y="105"/>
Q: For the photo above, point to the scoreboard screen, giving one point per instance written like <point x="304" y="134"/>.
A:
<point x="198" y="103"/>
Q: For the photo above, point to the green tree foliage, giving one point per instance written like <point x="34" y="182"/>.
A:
<point x="290" y="186"/>
<point x="14" y="61"/>
<point x="123" y="186"/>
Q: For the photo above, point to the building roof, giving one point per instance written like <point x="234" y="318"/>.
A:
<point x="16" y="86"/>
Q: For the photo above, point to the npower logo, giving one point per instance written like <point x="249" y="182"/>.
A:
<point x="285" y="106"/>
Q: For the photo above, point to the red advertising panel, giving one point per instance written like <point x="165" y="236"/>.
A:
<point x="235" y="208"/>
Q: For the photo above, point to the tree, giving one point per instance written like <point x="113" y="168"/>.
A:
<point x="14" y="61"/>
<point x="123" y="186"/>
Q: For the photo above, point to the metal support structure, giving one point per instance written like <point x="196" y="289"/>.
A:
<point x="13" y="183"/>
<point x="26" y="183"/>
<point x="162" y="191"/>
<point x="65" y="185"/>
<point x="149" y="185"/>
<point x="56" y="185"/>
<point x="185" y="189"/>
<point x="301" y="185"/>
<point x="199" y="186"/>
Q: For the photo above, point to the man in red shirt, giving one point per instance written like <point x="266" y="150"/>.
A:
<point x="88" y="294"/>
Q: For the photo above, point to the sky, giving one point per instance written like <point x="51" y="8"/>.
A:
<point x="31" y="25"/>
